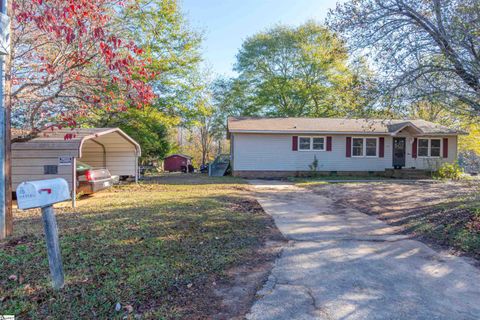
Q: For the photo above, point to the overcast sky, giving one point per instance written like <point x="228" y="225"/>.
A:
<point x="226" y="23"/>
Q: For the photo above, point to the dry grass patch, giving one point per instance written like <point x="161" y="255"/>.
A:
<point x="156" y="248"/>
<point x="441" y="213"/>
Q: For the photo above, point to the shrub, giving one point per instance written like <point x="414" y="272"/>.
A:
<point x="314" y="166"/>
<point x="451" y="171"/>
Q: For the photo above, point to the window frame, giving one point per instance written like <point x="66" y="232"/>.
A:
<point x="311" y="144"/>
<point x="364" y="147"/>
<point x="429" y="153"/>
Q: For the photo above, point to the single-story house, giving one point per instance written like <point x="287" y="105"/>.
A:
<point x="269" y="147"/>
<point x="54" y="154"/>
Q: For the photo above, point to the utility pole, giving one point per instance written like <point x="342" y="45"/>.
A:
<point x="5" y="213"/>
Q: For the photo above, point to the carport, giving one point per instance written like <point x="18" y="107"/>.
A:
<point x="54" y="153"/>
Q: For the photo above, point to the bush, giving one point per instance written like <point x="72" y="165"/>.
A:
<point x="451" y="171"/>
<point x="470" y="161"/>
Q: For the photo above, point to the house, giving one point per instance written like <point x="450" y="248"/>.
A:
<point x="177" y="163"/>
<point x="54" y="154"/>
<point x="276" y="147"/>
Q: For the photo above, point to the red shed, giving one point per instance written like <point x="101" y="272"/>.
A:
<point x="177" y="162"/>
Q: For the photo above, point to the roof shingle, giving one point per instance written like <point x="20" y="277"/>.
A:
<point x="332" y="125"/>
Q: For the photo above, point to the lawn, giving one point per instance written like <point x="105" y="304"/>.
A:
<point x="150" y="251"/>
<point x="444" y="214"/>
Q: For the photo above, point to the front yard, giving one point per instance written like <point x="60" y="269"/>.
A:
<point x="157" y="250"/>
<point x="444" y="214"/>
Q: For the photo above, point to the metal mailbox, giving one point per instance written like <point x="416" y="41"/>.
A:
<point x="42" y="193"/>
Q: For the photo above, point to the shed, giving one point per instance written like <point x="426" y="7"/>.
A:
<point x="175" y="162"/>
<point x="54" y="153"/>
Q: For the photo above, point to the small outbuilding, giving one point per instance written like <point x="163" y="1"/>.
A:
<point x="54" y="154"/>
<point x="177" y="163"/>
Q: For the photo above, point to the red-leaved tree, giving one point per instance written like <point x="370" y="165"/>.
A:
<point x="67" y="57"/>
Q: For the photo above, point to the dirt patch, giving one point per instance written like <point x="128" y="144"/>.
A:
<point x="444" y="215"/>
<point x="237" y="290"/>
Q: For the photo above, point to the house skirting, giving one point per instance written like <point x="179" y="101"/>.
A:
<point x="390" y="173"/>
<point x="286" y="174"/>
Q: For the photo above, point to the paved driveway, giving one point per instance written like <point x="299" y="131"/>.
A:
<point x="342" y="264"/>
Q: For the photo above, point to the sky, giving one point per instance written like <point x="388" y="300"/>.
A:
<point x="225" y="24"/>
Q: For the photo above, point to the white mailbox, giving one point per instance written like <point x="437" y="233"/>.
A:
<point x="42" y="193"/>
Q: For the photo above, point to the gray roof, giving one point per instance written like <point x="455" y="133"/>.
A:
<point x="335" y="125"/>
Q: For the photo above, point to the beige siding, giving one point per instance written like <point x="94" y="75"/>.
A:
<point x="29" y="158"/>
<point x="28" y="169"/>
<point x="120" y="154"/>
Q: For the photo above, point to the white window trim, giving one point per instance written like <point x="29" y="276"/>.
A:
<point x="364" y="151"/>
<point x="429" y="148"/>
<point x="311" y="144"/>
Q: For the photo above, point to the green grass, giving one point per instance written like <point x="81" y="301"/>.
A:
<point x="155" y="247"/>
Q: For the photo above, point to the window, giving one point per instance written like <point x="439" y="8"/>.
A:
<point x="364" y="147"/>
<point x="435" y="148"/>
<point x="304" y="143"/>
<point x="371" y="147"/>
<point x="423" y="147"/>
<point x="311" y="143"/>
<point x="357" y="147"/>
<point x="318" y="144"/>
<point x="429" y="147"/>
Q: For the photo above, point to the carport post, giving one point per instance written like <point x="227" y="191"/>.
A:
<point x="137" y="169"/>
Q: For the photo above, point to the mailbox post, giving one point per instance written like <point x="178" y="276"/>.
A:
<point x="43" y="194"/>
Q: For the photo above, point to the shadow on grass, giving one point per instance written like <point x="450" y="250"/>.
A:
<point x="191" y="179"/>
<point x="439" y="214"/>
<point x="157" y="257"/>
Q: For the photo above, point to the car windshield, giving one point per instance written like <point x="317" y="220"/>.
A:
<point x="83" y="166"/>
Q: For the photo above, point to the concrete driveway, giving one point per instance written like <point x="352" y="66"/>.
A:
<point x="343" y="264"/>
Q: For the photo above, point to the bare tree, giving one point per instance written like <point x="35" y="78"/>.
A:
<point x="423" y="49"/>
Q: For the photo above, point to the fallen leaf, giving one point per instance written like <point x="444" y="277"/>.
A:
<point x="129" y="308"/>
<point x="189" y="285"/>
<point x="118" y="306"/>
<point x="12" y="277"/>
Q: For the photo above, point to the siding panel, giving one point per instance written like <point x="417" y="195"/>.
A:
<point x="266" y="152"/>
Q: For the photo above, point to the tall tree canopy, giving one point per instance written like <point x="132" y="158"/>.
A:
<point x="67" y="58"/>
<point x="172" y="52"/>
<point x="287" y="71"/>
<point x="172" y="49"/>
<point x="423" y="49"/>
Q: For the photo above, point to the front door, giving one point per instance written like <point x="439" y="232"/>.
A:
<point x="399" y="145"/>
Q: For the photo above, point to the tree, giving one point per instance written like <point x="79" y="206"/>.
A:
<point x="67" y="59"/>
<point x="301" y="71"/>
<point x="173" y="52"/>
<point x="423" y="49"/>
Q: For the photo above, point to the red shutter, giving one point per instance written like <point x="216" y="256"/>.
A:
<point x="294" y="143"/>
<point x="445" y="147"/>
<point x="349" y="147"/>
<point x="329" y="143"/>
<point x="381" y="147"/>
<point x="414" y="148"/>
